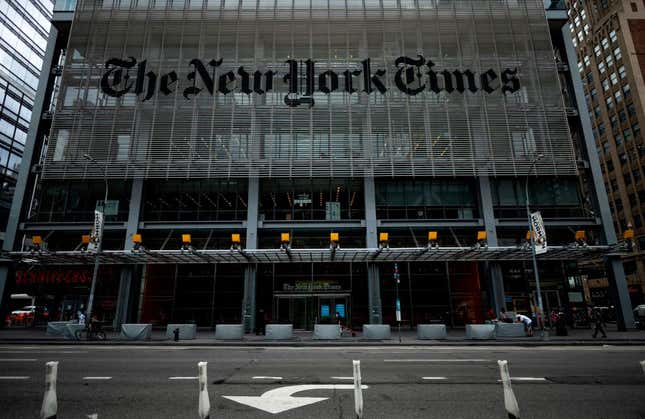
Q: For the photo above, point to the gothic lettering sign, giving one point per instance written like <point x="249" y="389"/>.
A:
<point x="413" y="76"/>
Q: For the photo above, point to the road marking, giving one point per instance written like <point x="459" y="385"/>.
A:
<point x="436" y="360"/>
<point x="435" y="378"/>
<point x="510" y="402"/>
<point x="264" y="377"/>
<point x="14" y="377"/>
<point x="342" y="378"/>
<point x="43" y="352"/>
<point x="18" y="359"/>
<point x="97" y="378"/>
<point x="182" y="378"/>
<point x="525" y="379"/>
<point x="280" y="399"/>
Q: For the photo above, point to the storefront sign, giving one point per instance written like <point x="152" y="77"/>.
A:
<point x="311" y="286"/>
<point x="64" y="276"/>
<point x="413" y="76"/>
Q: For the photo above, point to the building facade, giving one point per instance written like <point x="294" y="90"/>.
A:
<point x="361" y="151"/>
<point x="610" y="45"/>
<point x="24" y="27"/>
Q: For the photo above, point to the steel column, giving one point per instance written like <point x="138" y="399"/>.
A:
<point x="373" y="281"/>
<point x="250" y="271"/>
<point x="493" y="269"/>
<point x="616" y="273"/>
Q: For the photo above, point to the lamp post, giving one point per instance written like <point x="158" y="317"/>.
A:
<point x="99" y="247"/>
<point x="533" y="256"/>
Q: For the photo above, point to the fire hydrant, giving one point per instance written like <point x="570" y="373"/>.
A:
<point x="176" y="333"/>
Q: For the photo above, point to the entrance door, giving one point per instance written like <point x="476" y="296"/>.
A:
<point x="303" y="311"/>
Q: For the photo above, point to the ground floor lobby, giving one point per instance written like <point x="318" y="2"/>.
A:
<point x="303" y="294"/>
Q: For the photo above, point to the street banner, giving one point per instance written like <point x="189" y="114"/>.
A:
<point x="539" y="233"/>
<point x="97" y="231"/>
<point x="398" y="310"/>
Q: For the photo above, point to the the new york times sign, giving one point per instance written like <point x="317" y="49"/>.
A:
<point x="412" y="76"/>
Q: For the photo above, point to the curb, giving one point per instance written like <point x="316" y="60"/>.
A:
<point x="324" y="344"/>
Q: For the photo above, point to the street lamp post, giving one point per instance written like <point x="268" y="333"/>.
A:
<point x="533" y="255"/>
<point x="99" y="247"/>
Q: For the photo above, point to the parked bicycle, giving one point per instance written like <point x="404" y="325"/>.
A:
<point x="93" y="331"/>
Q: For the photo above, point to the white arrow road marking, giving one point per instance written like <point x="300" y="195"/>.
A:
<point x="280" y="400"/>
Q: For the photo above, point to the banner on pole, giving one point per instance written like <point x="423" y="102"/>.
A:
<point x="97" y="231"/>
<point x="539" y="233"/>
<point x="398" y="310"/>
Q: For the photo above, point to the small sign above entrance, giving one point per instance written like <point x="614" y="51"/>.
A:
<point x="311" y="286"/>
<point x="111" y="206"/>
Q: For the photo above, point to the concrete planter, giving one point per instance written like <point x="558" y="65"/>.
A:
<point x="510" y="330"/>
<point x="431" y="331"/>
<point x="136" y="331"/>
<point x="480" y="331"/>
<point x="71" y="329"/>
<point x="186" y="330"/>
<point x="377" y="331"/>
<point x="57" y="328"/>
<point x="278" y="332"/>
<point x="229" y="331"/>
<point x="326" y="331"/>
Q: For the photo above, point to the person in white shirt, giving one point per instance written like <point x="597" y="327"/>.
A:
<point x="528" y="323"/>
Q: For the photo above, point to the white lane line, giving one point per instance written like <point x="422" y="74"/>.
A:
<point x="525" y="379"/>
<point x="43" y="352"/>
<point x="265" y="377"/>
<point x="182" y="378"/>
<point x="436" y="360"/>
<point x="14" y="377"/>
<point x="18" y="359"/>
<point x="97" y="378"/>
<point x="435" y="378"/>
<point x="342" y="378"/>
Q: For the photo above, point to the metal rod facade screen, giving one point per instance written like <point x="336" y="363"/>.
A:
<point x="204" y="89"/>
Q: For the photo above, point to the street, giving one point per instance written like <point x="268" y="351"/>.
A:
<point x="401" y="382"/>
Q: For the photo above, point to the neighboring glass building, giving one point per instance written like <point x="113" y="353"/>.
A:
<point x="260" y="118"/>
<point x="24" y="28"/>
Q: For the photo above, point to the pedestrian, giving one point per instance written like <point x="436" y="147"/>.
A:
<point x="599" y="322"/>
<point x="503" y="317"/>
<point x="528" y="323"/>
<point x="81" y="317"/>
<point x="261" y="326"/>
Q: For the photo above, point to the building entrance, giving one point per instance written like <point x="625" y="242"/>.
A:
<point x="305" y="310"/>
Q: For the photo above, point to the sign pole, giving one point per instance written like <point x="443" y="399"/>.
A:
<point x="397" y="277"/>
<point x="536" y="273"/>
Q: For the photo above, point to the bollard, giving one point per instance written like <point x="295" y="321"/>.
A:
<point x="204" y="402"/>
<point x="50" y="404"/>
<point x="93" y="416"/>
<point x="510" y="402"/>
<point x="643" y="366"/>
<point x="358" y="390"/>
<point x="176" y="333"/>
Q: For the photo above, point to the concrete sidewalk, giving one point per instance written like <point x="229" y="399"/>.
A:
<point x="206" y="337"/>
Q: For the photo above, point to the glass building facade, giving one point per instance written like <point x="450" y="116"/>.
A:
<point x="24" y="28"/>
<point x="260" y="118"/>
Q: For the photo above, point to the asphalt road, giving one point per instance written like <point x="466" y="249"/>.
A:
<point x="402" y="382"/>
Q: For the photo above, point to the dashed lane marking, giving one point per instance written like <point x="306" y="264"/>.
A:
<point x="182" y="378"/>
<point x="435" y="378"/>
<point x="342" y="378"/>
<point x="14" y="377"/>
<point x="18" y="359"/>
<point x="265" y="377"/>
<point x="97" y="378"/>
<point x="437" y="360"/>
<point x="525" y="379"/>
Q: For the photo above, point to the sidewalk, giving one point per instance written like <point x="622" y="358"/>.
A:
<point x="206" y="337"/>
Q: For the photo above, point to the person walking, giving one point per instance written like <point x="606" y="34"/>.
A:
<point x="599" y="322"/>
<point x="528" y="323"/>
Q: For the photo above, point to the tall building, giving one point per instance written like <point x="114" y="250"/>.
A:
<point x="609" y="37"/>
<point x="24" y="27"/>
<point x="294" y="160"/>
